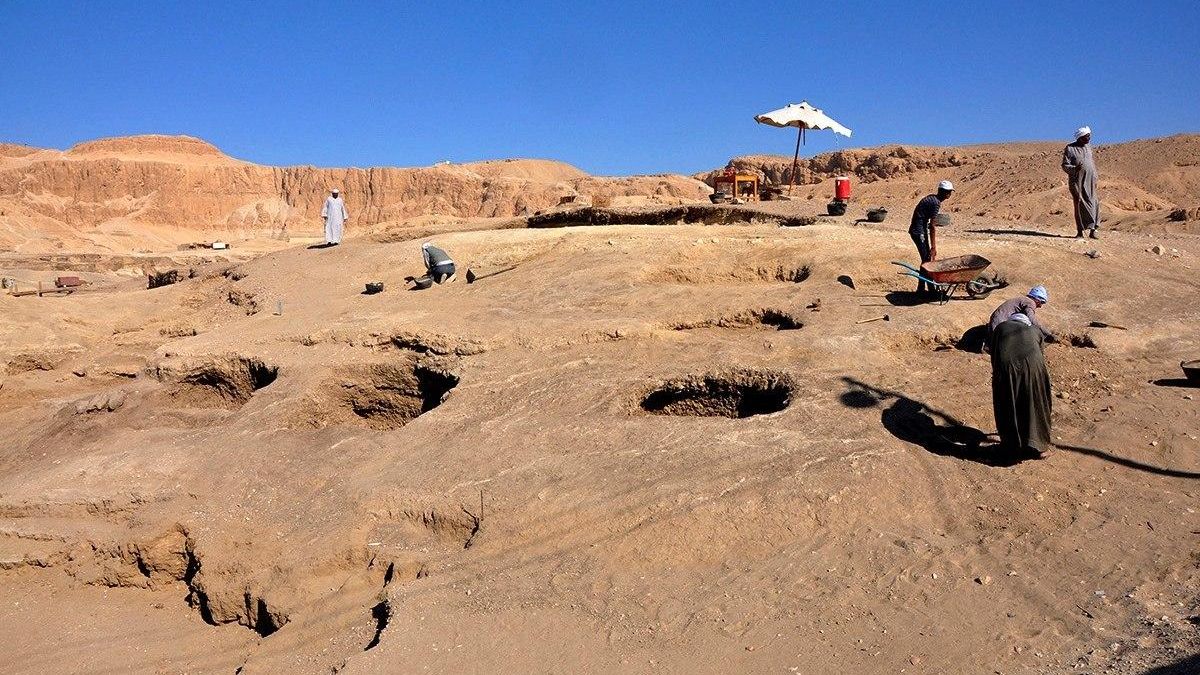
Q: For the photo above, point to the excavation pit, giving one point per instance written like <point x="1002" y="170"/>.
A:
<point x="735" y="395"/>
<point x="758" y="318"/>
<point x="385" y="396"/>
<point x="731" y="274"/>
<point x="227" y="381"/>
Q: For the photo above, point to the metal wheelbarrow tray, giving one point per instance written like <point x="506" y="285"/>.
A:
<point x="948" y="274"/>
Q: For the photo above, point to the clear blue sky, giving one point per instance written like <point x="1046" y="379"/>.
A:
<point x="611" y="87"/>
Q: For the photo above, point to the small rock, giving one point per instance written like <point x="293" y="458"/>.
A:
<point x="934" y="575"/>
<point x="1064" y="395"/>
<point x="1093" y="254"/>
<point x="1158" y="249"/>
<point x="1154" y="444"/>
<point x="983" y="581"/>
<point x="79" y="372"/>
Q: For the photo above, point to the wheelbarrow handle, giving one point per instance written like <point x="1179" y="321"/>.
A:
<point x="914" y="275"/>
<point x="906" y="266"/>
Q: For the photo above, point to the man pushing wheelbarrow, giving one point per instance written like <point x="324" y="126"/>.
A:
<point x="923" y="229"/>
<point x="941" y="278"/>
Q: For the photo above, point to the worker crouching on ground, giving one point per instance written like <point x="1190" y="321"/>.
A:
<point x="1021" y="388"/>
<point x="922" y="220"/>
<point x="1026" y="306"/>
<point x="439" y="268"/>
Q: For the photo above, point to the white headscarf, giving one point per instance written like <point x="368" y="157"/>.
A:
<point x="1082" y="131"/>
<point x="1020" y="318"/>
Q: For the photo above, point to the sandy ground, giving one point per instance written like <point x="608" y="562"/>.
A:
<point x="464" y="479"/>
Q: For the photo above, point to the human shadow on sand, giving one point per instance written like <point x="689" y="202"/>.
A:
<point x="1023" y="233"/>
<point x="1125" y="461"/>
<point x="909" y="298"/>
<point x="1189" y="665"/>
<point x="934" y="430"/>
<point x="312" y="247"/>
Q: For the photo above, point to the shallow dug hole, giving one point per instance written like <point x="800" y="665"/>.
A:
<point x="735" y="394"/>
<point x="226" y="381"/>
<point x="382" y="395"/>
<point x="764" y="318"/>
<point x="740" y="274"/>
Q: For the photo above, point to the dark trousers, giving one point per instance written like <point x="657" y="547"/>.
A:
<point x="921" y="239"/>
<point x="441" y="273"/>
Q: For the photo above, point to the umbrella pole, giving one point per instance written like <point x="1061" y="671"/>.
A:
<point x="795" y="159"/>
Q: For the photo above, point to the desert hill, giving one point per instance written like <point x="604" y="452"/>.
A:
<point x="1143" y="183"/>
<point x="155" y="192"/>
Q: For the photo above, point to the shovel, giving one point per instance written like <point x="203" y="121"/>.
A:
<point x="1101" y="324"/>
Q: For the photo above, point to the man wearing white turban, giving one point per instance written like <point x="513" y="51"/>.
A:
<point x="1080" y="167"/>
<point x="334" y="213"/>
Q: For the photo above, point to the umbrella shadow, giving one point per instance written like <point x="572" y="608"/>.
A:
<point x="936" y="431"/>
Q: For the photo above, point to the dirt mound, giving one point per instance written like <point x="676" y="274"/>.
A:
<point x="533" y="170"/>
<point x="17" y="150"/>
<point x="867" y="164"/>
<point x="708" y="214"/>
<point x="153" y="144"/>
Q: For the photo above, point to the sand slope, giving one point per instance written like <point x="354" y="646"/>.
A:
<point x="1141" y="182"/>
<point x="467" y="479"/>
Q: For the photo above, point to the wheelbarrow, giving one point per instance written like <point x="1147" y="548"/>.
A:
<point x="947" y="276"/>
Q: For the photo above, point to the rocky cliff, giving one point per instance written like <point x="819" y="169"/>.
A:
<point x="149" y="192"/>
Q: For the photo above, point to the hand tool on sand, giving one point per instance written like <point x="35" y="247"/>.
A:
<point x="1101" y="324"/>
<point x="472" y="277"/>
<point x="885" y="317"/>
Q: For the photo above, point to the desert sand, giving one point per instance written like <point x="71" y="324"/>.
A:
<point x="664" y="447"/>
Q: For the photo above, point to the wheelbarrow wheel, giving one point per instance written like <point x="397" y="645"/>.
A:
<point x="979" y="287"/>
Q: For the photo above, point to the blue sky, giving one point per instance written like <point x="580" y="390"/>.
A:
<point x="611" y="87"/>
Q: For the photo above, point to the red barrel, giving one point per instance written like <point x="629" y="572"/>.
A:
<point x="841" y="188"/>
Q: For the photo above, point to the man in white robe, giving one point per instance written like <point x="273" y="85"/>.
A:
<point x="334" y="213"/>
<point x="1080" y="167"/>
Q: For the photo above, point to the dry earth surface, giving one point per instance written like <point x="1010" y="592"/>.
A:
<point x="624" y="448"/>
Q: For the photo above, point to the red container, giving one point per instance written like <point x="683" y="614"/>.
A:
<point x="841" y="188"/>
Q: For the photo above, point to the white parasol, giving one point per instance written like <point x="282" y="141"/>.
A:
<point x="802" y="116"/>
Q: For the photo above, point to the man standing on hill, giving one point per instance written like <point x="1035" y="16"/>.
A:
<point x="334" y="213"/>
<point x="1077" y="161"/>
<point x="922" y="222"/>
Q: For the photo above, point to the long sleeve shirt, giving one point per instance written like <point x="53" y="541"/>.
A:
<point x="1022" y="305"/>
